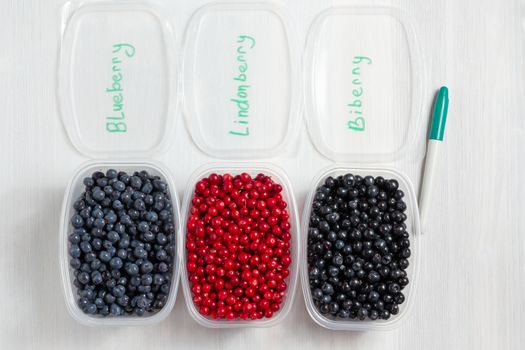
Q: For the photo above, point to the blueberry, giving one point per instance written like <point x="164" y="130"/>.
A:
<point x="77" y="221"/>
<point x="139" y="204"/>
<point x="110" y="217"/>
<point x="163" y="267"/>
<point x="147" y="188"/>
<point x="122" y="253"/>
<point x="132" y="269"/>
<point x="124" y="242"/>
<point x="109" y="298"/>
<point x="89" y="182"/>
<point x="85" y="247"/>
<point x="141" y="302"/>
<point x="104" y="256"/>
<point x="135" y="182"/>
<point x="158" y="279"/>
<point x="115" y="310"/>
<point x="117" y="205"/>
<point x="75" y="263"/>
<point x="159" y="205"/>
<point x="91" y="309"/>
<point x="327" y="288"/>
<point x="119" y="228"/>
<point x="99" y="303"/>
<point x="332" y="217"/>
<point x="133" y="214"/>
<point x="162" y="239"/>
<point x="338" y="260"/>
<point x="147" y="267"/>
<point x="161" y="255"/>
<point x="96" y="264"/>
<point x="138" y="195"/>
<point x="374" y="276"/>
<point x="148" y="236"/>
<point x="74" y="251"/>
<point x="79" y="205"/>
<point x="113" y="236"/>
<point x="151" y="216"/>
<point x="165" y="288"/>
<point x="111" y="173"/>
<point x="99" y="223"/>
<point x="372" y="191"/>
<point x="143" y="226"/>
<point x="98" y="195"/>
<point x="74" y="238"/>
<point x="144" y="289"/>
<point x="119" y="186"/>
<point x="83" y="277"/>
<point x="107" y="245"/>
<point x="125" y="197"/>
<point x="108" y="190"/>
<point x="126" y="220"/>
<point x="96" y="244"/>
<point x="160" y="186"/>
<point x="124" y="177"/>
<point x="104" y="310"/>
<point x="116" y="263"/>
<point x="123" y="301"/>
<point x="140" y="252"/>
<point x="146" y="280"/>
<point x="96" y="277"/>
<point x="118" y="291"/>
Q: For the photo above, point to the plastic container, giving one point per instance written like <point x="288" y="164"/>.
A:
<point x="73" y="191"/>
<point x="413" y="227"/>
<point x="252" y="169"/>
<point x="117" y="79"/>
<point x="363" y="86"/>
<point x="240" y="80"/>
<point x="117" y="97"/>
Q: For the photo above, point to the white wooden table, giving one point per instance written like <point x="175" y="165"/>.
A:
<point x="473" y="278"/>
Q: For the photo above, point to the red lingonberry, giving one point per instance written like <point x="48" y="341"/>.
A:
<point x="238" y="246"/>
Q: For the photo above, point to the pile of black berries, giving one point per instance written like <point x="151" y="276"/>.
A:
<point x="358" y="248"/>
<point x="122" y="244"/>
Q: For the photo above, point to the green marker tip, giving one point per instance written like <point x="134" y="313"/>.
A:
<point x="439" y="116"/>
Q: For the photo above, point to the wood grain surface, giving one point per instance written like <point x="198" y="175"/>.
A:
<point x="471" y="289"/>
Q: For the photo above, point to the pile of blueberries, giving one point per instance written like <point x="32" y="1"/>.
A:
<point x="358" y="248"/>
<point x="122" y="244"/>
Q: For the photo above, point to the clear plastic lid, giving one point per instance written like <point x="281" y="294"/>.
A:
<point x="362" y="84"/>
<point x="239" y="76"/>
<point x="116" y="78"/>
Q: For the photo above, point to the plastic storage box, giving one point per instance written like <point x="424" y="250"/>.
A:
<point x="240" y="80"/>
<point x="116" y="93"/>
<point x="241" y="97"/>
<point x="253" y="169"/>
<point x="359" y="62"/>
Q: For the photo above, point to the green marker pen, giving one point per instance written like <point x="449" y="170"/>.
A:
<point x="437" y="130"/>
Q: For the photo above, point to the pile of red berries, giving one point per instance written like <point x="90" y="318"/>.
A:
<point x="238" y="246"/>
